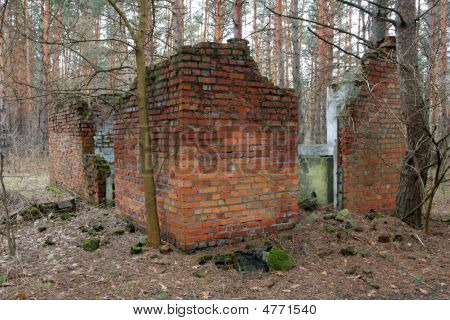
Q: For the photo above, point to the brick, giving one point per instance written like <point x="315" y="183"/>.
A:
<point x="212" y="158"/>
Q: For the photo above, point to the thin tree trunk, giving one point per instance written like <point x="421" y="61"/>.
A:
<point x="219" y="20"/>
<point x="287" y="46"/>
<point x="178" y="19"/>
<point x="279" y="41"/>
<point x="443" y="76"/>
<point x="4" y="199"/>
<point x="237" y="19"/>
<point x="145" y="147"/>
<point x="378" y="25"/>
<point x="255" y="34"/>
<point x="151" y="211"/>
<point x="206" y="21"/>
<point x="296" y="76"/>
<point x="268" y="50"/>
<point x="414" y="172"/>
<point x="46" y="69"/>
<point x="3" y="109"/>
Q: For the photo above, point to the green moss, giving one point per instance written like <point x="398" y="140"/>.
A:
<point x="309" y="219"/>
<point x="118" y="232"/>
<point x="349" y="251"/>
<point x="342" y="215"/>
<point x="205" y="259"/>
<point x="32" y="212"/>
<point x="329" y="228"/>
<point x="279" y="260"/>
<point x="54" y="189"/>
<point x="91" y="244"/>
<point x="286" y="237"/>
<point x="49" y="242"/>
<point x="162" y="295"/>
<point x="84" y="229"/>
<point x="136" y="249"/>
<point x="223" y="259"/>
<point x="130" y="227"/>
<point x="199" y="274"/>
<point x="66" y="216"/>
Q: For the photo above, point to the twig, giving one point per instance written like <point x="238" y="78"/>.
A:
<point x="370" y="13"/>
<point x="387" y="8"/>
<point x="428" y="10"/>
<point x="322" y="25"/>
<point x="334" y="45"/>
<point x="420" y="240"/>
<point x="9" y="234"/>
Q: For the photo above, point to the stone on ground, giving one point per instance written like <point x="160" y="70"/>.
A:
<point x="278" y="259"/>
<point x="342" y="215"/>
<point x="384" y="238"/>
<point x="165" y="248"/>
<point x="249" y="261"/>
<point x="91" y="244"/>
<point x="205" y="259"/>
<point x="136" y="249"/>
<point x="330" y="228"/>
<point x="223" y="260"/>
<point x="349" y="251"/>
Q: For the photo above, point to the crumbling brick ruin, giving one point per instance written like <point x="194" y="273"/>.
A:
<point x="81" y="149"/>
<point x="371" y="135"/>
<point x="224" y="142"/>
<point x="224" y="146"/>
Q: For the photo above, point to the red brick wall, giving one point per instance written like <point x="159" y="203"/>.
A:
<point x="72" y="163"/>
<point x="224" y="145"/>
<point x="70" y="136"/>
<point x="372" y="138"/>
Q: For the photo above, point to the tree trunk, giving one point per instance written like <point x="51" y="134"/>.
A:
<point x="268" y="50"/>
<point x="145" y="148"/>
<point x="46" y="70"/>
<point x="10" y="236"/>
<point x="205" y="21"/>
<point x="279" y="41"/>
<point x="178" y="17"/>
<point x="255" y="35"/>
<point x="3" y="109"/>
<point x="414" y="172"/>
<point x="237" y="19"/>
<point x="378" y="25"/>
<point x="443" y="76"/>
<point x="296" y="75"/>
<point x="219" y="20"/>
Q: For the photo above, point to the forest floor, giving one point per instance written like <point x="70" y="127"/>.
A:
<point x="417" y="267"/>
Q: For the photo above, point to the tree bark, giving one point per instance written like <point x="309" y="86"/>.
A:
<point x="443" y="76"/>
<point x="219" y="24"/>
<point x="414" y="171"/>
<point x="255" y="35"/>
<point x="178" y="14"/>
<point x="237" y="19"/>
<point x="279" y="41"/>
<point x="46" y="70"/>
<point x="296" y="66"/>
<point x="145" y="147"/>
<point x="378" y="25"/>
<point x="153" y="230"/>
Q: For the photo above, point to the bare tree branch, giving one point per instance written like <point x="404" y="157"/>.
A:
<point x="334" y="45"/>
<point x="365" y="41"/>
<point x="370" y="13"/>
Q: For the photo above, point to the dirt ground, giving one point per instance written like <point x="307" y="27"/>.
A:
<point x="406" y="269"/>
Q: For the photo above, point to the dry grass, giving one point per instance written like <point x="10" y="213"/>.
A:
<point x="400" y="270"/>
